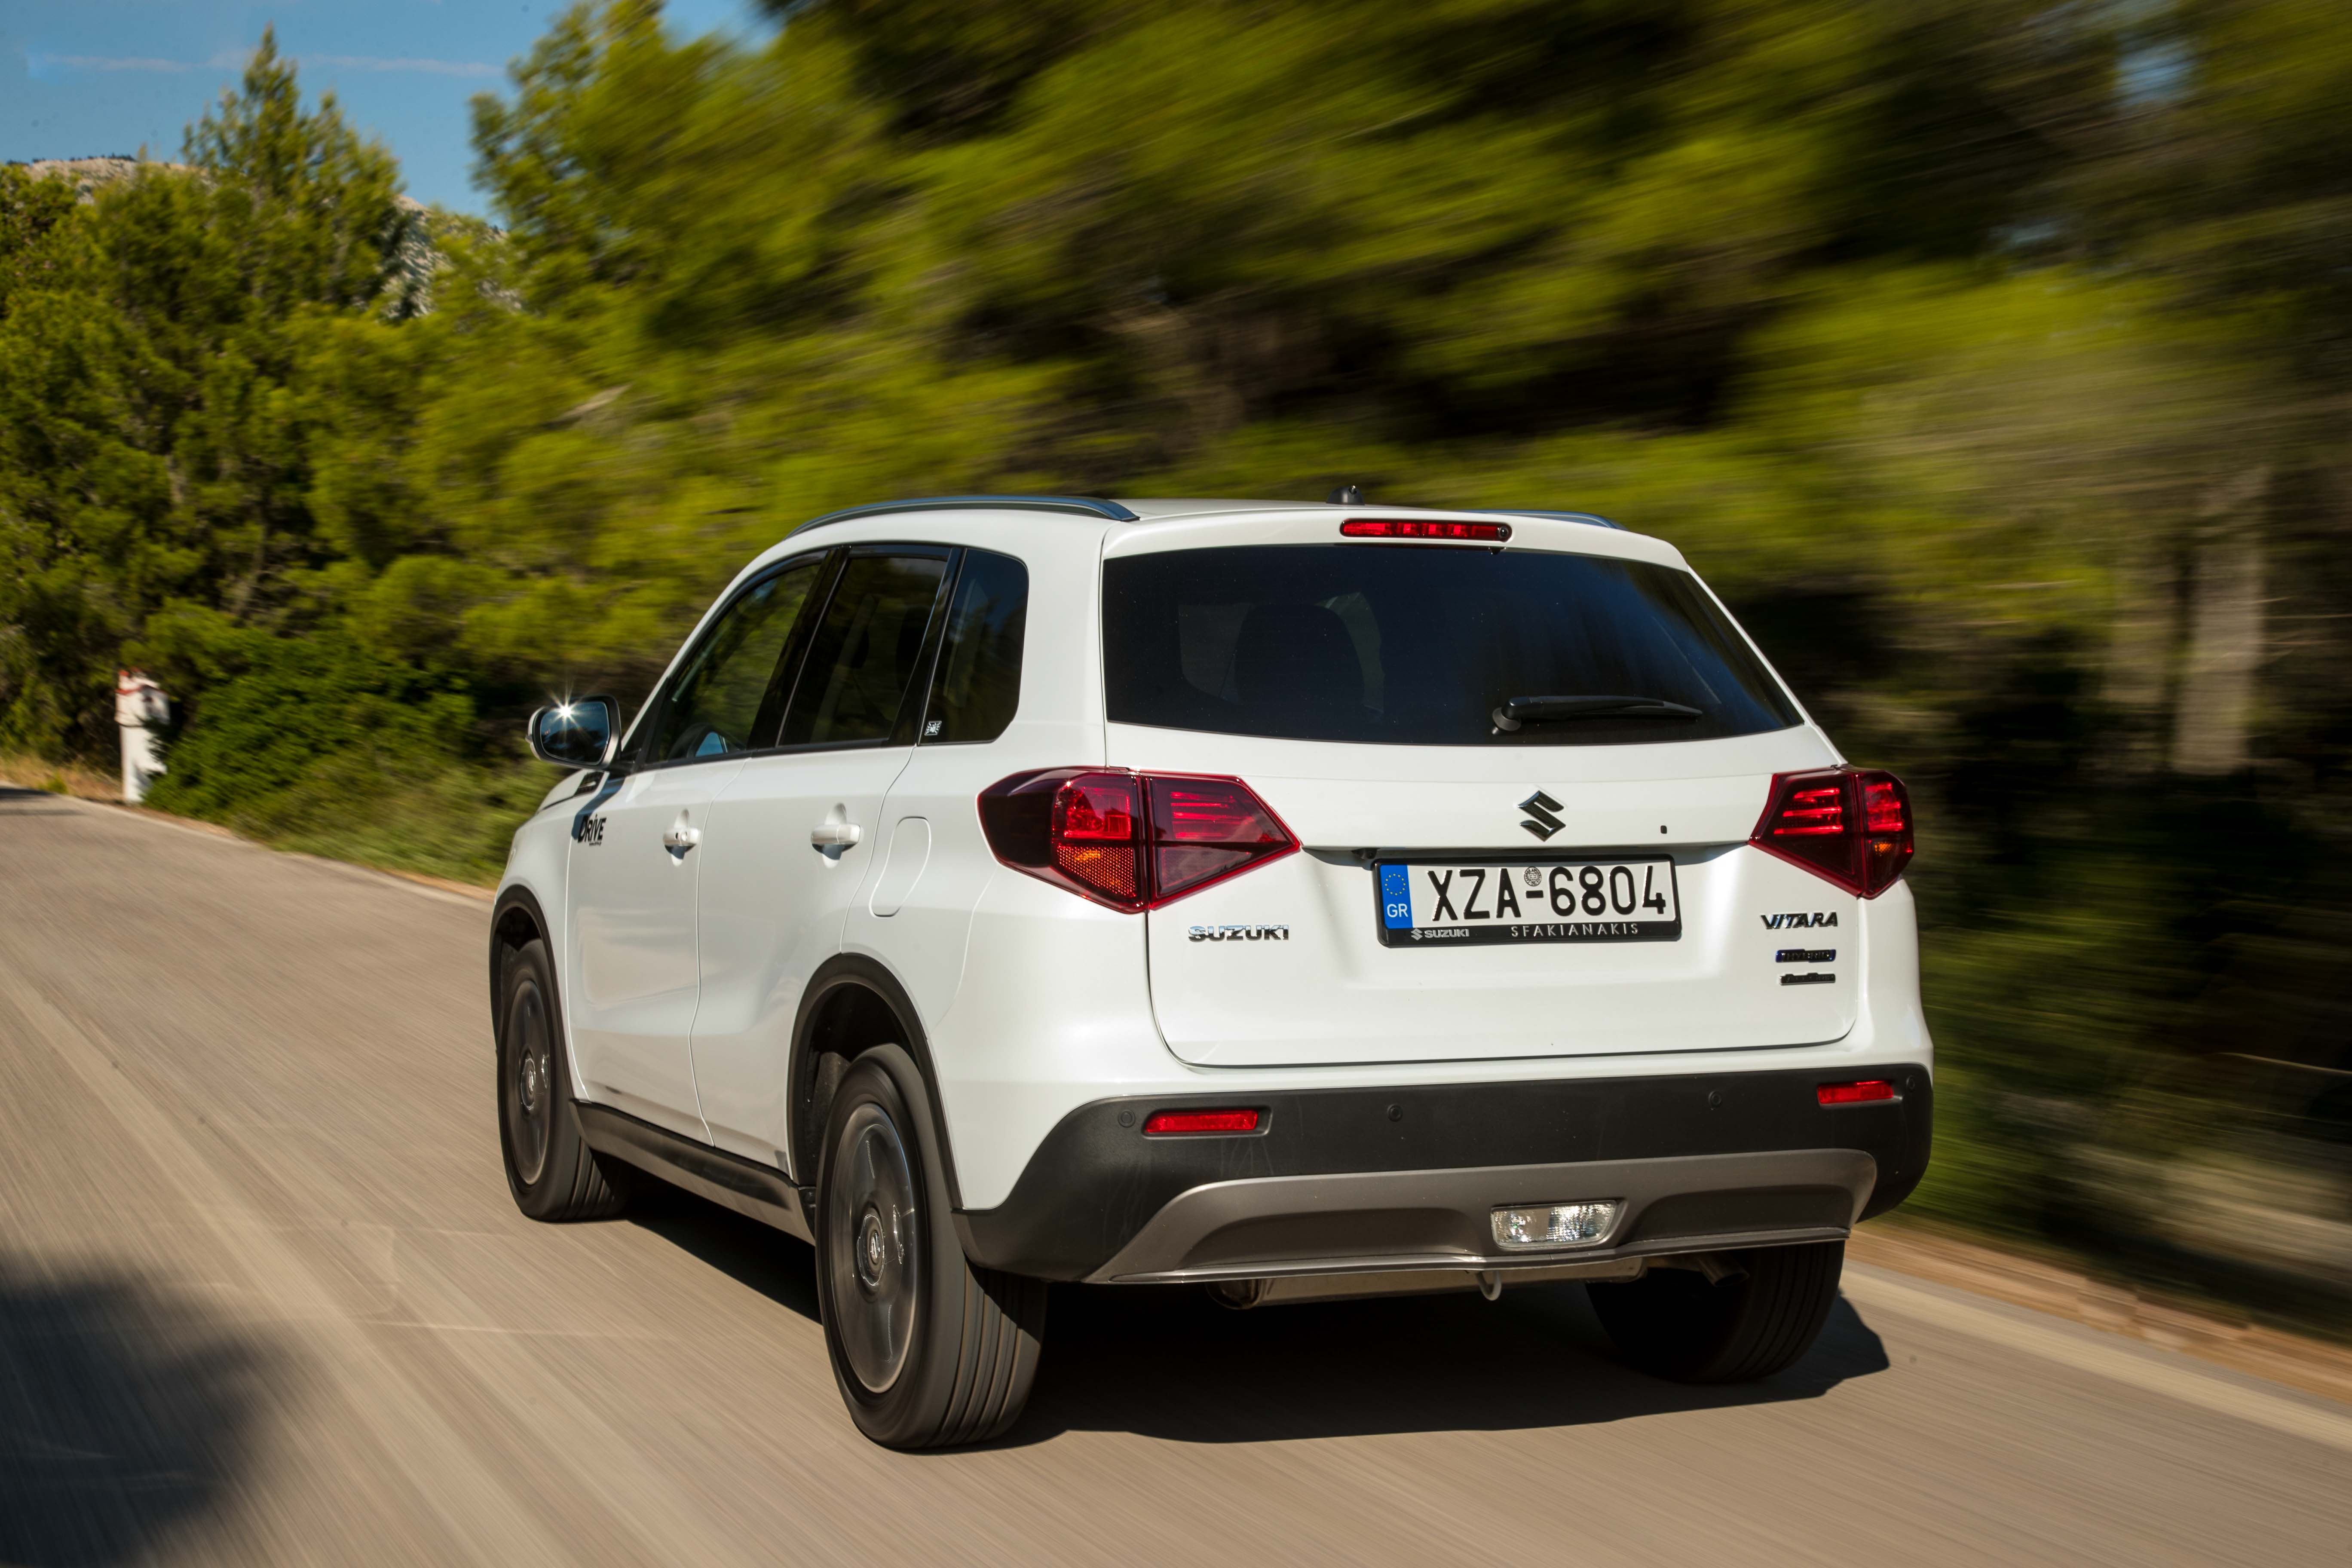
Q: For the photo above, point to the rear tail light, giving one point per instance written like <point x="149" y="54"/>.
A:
<point x="1414" y="528"/>
<point x="1851" y="826"/>
<point x="1133" y="841"/>
<point x="1093" y="836"/>
<point x="1167" y="1124"/>
<point x="1862" y="1091"/>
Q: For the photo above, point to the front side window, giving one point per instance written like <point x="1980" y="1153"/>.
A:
<point x="979" y="683"/>
<point x="1423" y="646"/>
<point x="864" y="655"/>
<point x="726" y="697"/>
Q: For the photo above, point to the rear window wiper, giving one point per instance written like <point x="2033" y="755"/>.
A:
<point x="1519" y="711"/>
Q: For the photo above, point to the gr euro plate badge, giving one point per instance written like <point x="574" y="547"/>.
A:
<point x="1440" y="904"/>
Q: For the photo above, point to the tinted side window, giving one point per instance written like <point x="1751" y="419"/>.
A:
<point x="979" y="681"/>
<point x="725" y="698"/>
<point x="862" y="656"/>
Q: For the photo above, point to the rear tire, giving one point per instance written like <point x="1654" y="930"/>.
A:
<point x="928" y="1349"/>
<point x="1672" y="1323"/>
<point x="550" y="1170"/>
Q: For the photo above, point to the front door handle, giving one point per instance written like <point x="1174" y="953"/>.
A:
<point x="836" y="834"/>
<point x="681" y="839"/>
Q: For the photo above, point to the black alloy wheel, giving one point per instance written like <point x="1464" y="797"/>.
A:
<point x="873" y="1244"/>
<point x="927" y="1349"/>
<point x="528" y="1097"/>
<point x="550" y="1170"/>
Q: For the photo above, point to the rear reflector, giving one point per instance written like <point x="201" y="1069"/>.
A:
<point x="1413" y="527"/>
<point x="1859" y="1092"/>
<point x="1555" y="1225"/>
<point x="1133" y="841"/>
<point x="1094" y="834"/>
<point x="1851" y="826"/>
<point x="1163" y="1123"/>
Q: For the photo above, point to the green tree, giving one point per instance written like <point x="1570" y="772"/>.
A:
<point x="153" y="430"/>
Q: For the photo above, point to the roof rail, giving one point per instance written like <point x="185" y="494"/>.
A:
<point x="1594" y="518"/>
<point x="1084" y="506"/>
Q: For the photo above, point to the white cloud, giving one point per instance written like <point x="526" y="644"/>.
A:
<point x="378" y="63"/>
<point x="43" y="64"/>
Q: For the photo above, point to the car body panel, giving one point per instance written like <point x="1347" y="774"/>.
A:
<point x="772" y="905"/>
<point x="631" y="980"/>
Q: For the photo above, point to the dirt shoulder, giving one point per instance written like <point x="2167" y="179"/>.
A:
<point x="2054" y="1286"/>
<point x="104" y="789"/>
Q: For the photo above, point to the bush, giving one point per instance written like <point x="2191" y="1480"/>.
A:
<point x="321" y="744"/>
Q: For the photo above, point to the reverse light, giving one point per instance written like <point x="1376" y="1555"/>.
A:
<point x="1862" y="1092"/>
<point x="1851" y="826"/>
<point x="1555" y="1225"/>
<point x="1177" y="1124"/>
<point x="1094" y="834"/>
<point x="1417" y="528"/>
<point x="1133" y="841"/>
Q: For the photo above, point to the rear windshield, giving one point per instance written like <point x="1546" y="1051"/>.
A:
<point x="1419" y="646"/>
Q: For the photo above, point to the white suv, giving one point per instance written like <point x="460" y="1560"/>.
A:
<point x="1303" y="901"/>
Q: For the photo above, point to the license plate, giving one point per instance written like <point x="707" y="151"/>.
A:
<point x="1443" y="904"/>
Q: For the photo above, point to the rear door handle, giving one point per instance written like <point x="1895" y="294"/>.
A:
<point x="835" y="835"/>
<point x="681" y="839"/>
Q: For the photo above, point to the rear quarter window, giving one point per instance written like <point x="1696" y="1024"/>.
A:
<point x="1418" y="645"/>
<point x="978" y="682"/>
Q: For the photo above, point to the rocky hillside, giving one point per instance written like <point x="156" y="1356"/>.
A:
<point x="415" y="261"/>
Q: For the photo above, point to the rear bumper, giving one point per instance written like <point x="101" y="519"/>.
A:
<point x="1341" y="1181"/>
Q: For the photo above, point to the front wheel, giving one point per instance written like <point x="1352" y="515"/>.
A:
<point x="550" y="1170"/>
<point x="1673" y="1323"/>
<point x="928" y="1349"/>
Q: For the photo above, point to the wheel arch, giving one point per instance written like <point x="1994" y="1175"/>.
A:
<point x="517" y="919"/>
<point x="851" y="1002"/>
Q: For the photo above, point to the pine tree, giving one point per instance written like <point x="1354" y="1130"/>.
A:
<point x="153" y="437"/>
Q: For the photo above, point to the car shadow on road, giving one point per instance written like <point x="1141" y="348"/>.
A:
<point x="1170" y="1363"/>
<point x="1167" y="1362"/>
<point x="777" y="1266"/>
<point x="128" y="1416"/>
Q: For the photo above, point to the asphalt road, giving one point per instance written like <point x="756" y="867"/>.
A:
<point x="263" y="1297"/>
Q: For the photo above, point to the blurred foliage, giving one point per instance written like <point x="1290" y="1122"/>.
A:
<point x="155" y="412"/>
<point x="1991" y="357"/>
<point x="319" y="741"/>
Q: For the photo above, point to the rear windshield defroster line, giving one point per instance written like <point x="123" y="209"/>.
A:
<point x="1414" y="645"/>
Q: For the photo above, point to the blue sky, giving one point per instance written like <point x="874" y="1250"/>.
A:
<point x="81" y="78"/>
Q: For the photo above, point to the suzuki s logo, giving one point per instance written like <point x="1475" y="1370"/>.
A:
<point x="1793" y="921"/>
<point x="1540" y="821"/>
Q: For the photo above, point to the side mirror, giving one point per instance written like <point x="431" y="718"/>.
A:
<point x="574" y="734"/>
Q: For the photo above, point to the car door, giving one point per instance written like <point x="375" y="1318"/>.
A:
<point x="796" y="831"/>
<point x="631" y="974"/>
<point x="915" y="913"/>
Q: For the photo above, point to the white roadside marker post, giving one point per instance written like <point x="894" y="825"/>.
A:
<point x="141" y="709"/>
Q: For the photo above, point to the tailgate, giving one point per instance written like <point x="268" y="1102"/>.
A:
<point x="1286" y="965"/>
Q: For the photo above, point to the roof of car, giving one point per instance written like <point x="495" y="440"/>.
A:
<point x="1152" y="509"/>
<point x="1159" y="508"/>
